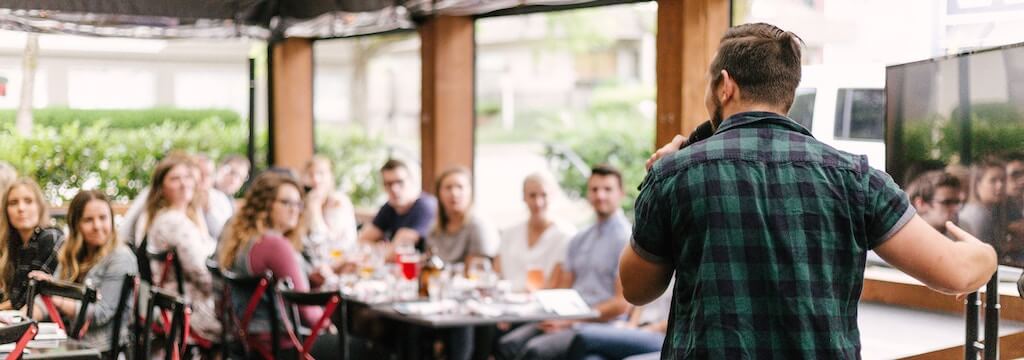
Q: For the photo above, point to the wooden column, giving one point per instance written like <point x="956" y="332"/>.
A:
<point x="688" y="36"/>
<point x="447" y="116"/>
<point x="292" y="98"/>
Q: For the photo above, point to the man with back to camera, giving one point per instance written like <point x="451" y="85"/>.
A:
<point x="767" y="229"/>
<point x="936" y="197"/>
<point x="406" y="218"/>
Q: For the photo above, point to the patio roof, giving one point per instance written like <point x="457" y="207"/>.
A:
<point x="263" y="19"/>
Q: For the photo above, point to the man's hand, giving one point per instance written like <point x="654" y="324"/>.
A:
<point x="669" y="148"/>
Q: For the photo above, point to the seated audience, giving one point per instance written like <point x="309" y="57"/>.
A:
<point x="540" y="242"/>
<point x="95" y="257"/>
<point x="936" y="196"/>
<point x="27" y="243"/>
<point x="407" y="216"/>
<point x="266" y="235"/>
<point x="173" y="222"/>
<point x="329" y="215"/>
<point x="592" y="269"/>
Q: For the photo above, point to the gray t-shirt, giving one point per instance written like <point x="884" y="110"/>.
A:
<point x="475" y="238"/>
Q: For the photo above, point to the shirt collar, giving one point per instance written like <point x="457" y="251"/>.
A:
<point x="768" y="118"/>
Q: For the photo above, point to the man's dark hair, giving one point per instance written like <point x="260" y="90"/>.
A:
<point x="1014" y="156"/>
<point x="394" y="164"/>
<point x="607" y="170"/>
<point x="924" y="186"/>
<point x="763" y="60"/>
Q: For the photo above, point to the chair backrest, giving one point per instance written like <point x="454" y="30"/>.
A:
<point x="45" y="289"/>
<point x="19" y="334"/>
<point x="129" y="291"/>
<point x="171" y="264"/>
<point x="329" y="300"/>
<point x="142" y="258"/>
<point x="176" y="331"/>
<point x="225" y="301"/>
<point x="262" y="292"/>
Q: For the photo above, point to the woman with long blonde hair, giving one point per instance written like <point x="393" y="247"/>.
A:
<point x="95" y="257"/>
<point x="173" y="222"/>
<point x="26" y="243"/>
<point x="266" y="235"/>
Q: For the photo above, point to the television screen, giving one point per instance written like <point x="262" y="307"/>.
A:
<point x="955" y="142"/>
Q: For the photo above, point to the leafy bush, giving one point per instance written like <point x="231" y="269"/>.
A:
<point x="357" y="156"/>
<point x="125" y="118"/>
<point x="118" y="161"/>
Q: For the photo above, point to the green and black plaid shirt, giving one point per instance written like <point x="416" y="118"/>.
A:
<point x="768" y="230"/>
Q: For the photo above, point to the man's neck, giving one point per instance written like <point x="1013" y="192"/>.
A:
<point x="733" y="109"/>
<point x="404" y="206"/>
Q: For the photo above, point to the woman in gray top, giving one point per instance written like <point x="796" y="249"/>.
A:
<point x="983" y="214"/>
<point x="459" y="235"/>
<point x="92" y="255"/>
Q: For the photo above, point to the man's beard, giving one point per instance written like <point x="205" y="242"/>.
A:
<point x="716" y="116"/>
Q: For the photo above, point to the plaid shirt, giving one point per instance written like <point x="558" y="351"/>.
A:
<point x="768" y="230"/>
<point x="39" y="254"/>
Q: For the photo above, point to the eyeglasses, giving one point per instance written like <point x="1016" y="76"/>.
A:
<point x="298" y="204"/>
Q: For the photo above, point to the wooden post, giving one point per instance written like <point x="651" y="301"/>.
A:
<point x="291" y="119"/>
<point x="688" y="36"/>
<point x="447" y="118"/>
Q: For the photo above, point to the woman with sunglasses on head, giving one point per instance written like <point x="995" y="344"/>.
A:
<point x="27" y="243"/>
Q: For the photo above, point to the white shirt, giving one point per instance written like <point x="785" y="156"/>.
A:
<point x="517" y="257"/>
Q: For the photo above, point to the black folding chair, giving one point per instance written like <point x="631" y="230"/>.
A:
<point x="175" y="330"/>
<point x="256" y="292"/>
<point x="129" y="291"/>
<point x="46" y="289"/>
<point x="19" y="334"/>
<point x="329" y="300"/>
<point x="171" y="264"/>
<point x="224" y="302"/>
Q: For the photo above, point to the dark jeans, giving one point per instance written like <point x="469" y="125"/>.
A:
<point x="605" y="342"/>
<point x="530" y="342"/>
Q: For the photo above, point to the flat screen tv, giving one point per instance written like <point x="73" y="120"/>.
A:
<point x="963" y="115"/>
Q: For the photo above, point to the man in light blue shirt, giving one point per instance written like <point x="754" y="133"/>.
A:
<point x="592" y="265"/>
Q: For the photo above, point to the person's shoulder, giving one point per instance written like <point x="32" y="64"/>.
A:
<point x="426" y="200"/>
<point x="122" y="257"/>
<point x="50" y="234"/>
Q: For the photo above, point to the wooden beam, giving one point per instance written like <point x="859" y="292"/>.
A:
<point x="688" y="36"/>
<point x="292" y="92"/>
<point x="447" y="118"/>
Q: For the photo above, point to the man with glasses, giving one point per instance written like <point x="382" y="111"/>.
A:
<point x="232" y="174"/>
<point x="406" y="218"/>
<point x="937" y="197"/>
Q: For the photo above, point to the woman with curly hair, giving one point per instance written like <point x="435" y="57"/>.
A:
<point x="266" y="234"/>
<point x="26" y="244"/>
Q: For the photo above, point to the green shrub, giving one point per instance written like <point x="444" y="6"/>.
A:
<point x="125" y="118"/>
<point x="356" y="156"/>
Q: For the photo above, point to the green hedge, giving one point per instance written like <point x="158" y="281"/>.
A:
<point x="126" y="118"/>
<point x="995" y="129"/>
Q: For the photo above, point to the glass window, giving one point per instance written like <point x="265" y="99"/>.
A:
<point x="802" y="110"/>
<point x="860" y="114"/>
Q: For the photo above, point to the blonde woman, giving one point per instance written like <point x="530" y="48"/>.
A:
<point x="95" y="257"/>
<point x="329" y="215"/>
<point x="538" y="245"/>
<point x="172" y="222"/>
<point x="26" y="244"/>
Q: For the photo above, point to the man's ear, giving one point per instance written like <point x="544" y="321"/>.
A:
<point x="727" y="89"/>
<point x="918" y="202"/>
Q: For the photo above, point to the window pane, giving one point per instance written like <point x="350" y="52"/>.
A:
<point x="860" y="114"/>
<point x="802" y="110"/>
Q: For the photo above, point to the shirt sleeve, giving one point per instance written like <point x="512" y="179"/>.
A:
<point x="109" y="287"/>
<point x="278" y="256"/>
<point x="651" y="231"/>
<point x="887" y="208"/>
<point x="421" y="216"/>
<point x="384" y="217"/>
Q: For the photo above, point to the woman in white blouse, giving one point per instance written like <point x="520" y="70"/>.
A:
<point x="540" y="243"/>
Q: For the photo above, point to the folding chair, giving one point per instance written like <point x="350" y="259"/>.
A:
<point x="129" y="291"/>
<point x="19" y="334"/>
<point x="46" y="289"/>
<point x="328" y="300"/>
<point x="254" y="292"/>
<point x="176" y="331"/>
